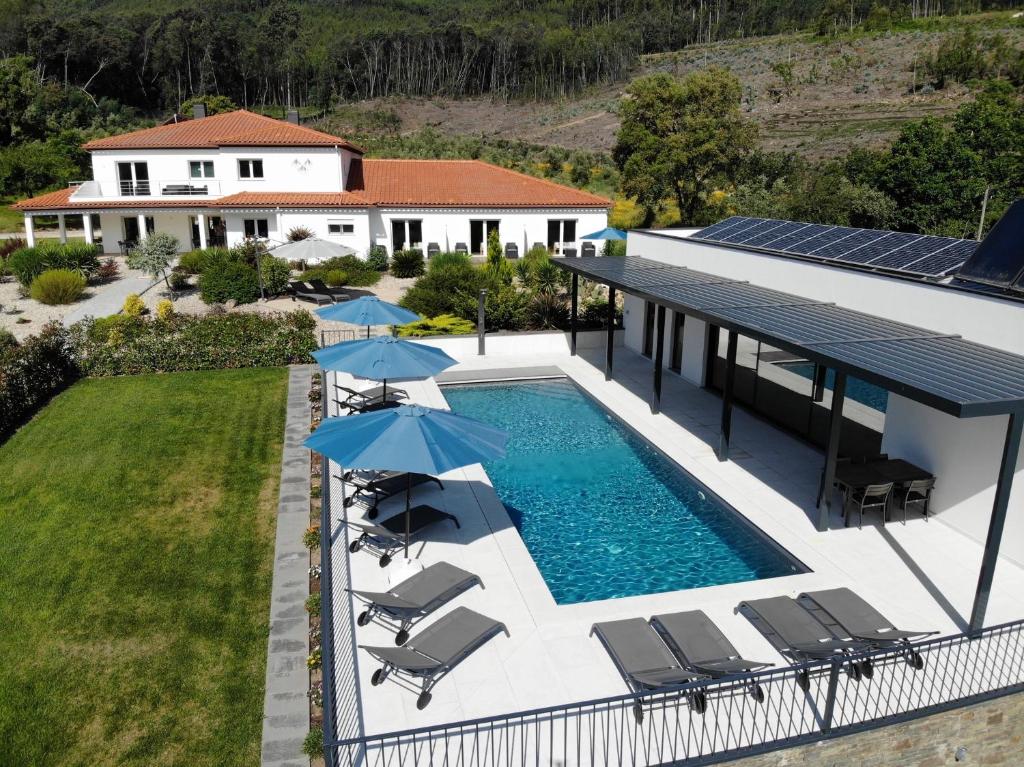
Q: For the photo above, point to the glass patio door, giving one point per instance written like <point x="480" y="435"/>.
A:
<point x="133" y="178"/>
<point x="479" y="231"/>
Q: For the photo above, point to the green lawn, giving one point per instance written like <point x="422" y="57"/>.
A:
<point x="136" y="545"/>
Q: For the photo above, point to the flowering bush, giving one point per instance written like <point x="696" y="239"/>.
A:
<point x="311" y="538"/>
<point x="32" y="372"/>
<point x="313" y="605"/>
<point x="315" y="659"/>
<point x="134" y="306"/>
<point x="183" y="342"/>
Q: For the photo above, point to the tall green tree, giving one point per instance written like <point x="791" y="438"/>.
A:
<point x="678" y="138"/>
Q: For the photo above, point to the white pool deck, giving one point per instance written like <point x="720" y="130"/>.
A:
<point x="922" y="575"/>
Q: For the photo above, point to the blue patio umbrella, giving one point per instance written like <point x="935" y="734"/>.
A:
<point x="410" y="438"/>
<point x="368" y="310"/>
<point x="608" y="233"/>
<point x="382" y="358"/>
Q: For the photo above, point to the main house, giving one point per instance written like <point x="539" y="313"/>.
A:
<point x="215" y="180"/>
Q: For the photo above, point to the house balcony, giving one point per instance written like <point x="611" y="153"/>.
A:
<point x="146" y="189"/>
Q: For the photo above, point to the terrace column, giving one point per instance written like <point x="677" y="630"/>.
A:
<point x="659" y="360"/>
<point x="90" y="237"/>
<point x="201" y="223"/>
<point x="828" y="474"/>
<point x="30" y="230"/>
<point x="730" y="377"/>
<point x="1011" y="447"/>
<point x="142" y="227"/>
<point x="574" y="312"/>
<point x="611" y="334"/>
<point x="62" y="228"/>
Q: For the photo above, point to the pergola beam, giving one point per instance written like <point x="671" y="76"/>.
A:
<point x="1007" y="468"/>
<point x="659" y="360"/>
<point x="828" y="475"/>
<point x="730" y="379"/>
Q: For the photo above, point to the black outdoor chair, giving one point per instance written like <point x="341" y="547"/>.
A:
<point x="433" y="249"/>
<point x="917" y="494"/>
<point x="460" y="247"/>
<point x="511" y="250"/>
<point x="870" y="498"/>
<point x="588" y="249"/>
<point x="305" y="292"/>
<point x="569" y="252"/>
<point x="338" y="294"/>
<point x="539" y="245"/>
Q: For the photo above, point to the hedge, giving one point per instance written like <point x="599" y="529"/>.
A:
<point x="181" y="342"/>
<point x="32" y="372"/>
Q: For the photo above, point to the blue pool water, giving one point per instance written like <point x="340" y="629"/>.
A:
<point x="603" y="513"/>
<point x="860" y="391"/>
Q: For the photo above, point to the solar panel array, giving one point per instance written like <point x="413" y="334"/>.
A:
<point x="921" y="255"/>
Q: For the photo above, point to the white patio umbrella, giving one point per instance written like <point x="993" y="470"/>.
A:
<point x="312" y="250"/>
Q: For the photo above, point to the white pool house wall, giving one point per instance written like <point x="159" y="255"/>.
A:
<point x="963" y="453"/>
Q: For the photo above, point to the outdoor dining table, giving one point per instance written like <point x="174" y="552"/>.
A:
<point x="854" y="476"/>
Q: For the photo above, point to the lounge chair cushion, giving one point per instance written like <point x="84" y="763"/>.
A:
<point x="640" y="653"/>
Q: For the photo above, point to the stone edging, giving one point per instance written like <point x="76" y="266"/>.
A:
<point x="286" y="704"/>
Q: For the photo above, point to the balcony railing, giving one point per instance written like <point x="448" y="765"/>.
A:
<point x="191" y="187"/>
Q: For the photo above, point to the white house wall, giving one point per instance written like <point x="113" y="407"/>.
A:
<point x="175" y="223"/>
<point x="979" y="318"/>
<point x="964" y="455"/>
<point x="309" y="169"/>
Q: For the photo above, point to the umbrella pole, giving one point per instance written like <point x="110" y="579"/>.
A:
<point x="384" y="392"/>
<point x="408" y="495"/>
<point x="367" y="331"/>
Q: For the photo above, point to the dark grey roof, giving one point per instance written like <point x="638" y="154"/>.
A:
<point x="943" y="371"/>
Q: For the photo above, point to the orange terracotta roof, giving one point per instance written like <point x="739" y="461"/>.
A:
<point x="461" y="184"/>
<point x="294" y="200"/>
<point x="239" y="128"/>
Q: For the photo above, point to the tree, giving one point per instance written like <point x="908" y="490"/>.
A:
<point x="214" y="104"/>
<point x="678" y="138"/>
<point x="153" y="255"/>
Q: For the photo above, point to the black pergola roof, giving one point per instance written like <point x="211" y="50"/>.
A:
<point x="943" y="371"/>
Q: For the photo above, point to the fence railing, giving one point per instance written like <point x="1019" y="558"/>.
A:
<point x="329" y="337"/>
<point x="755" y="713"/>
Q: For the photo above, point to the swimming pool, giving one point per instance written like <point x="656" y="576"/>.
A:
<point x="602" y="512"/>
<point x="860" y="391"/>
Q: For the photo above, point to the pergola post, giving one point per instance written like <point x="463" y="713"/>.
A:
<point x="818" y="390"/>
<point x="659" y="359"/>
<point x="90" y="236"/>
<point x="1011" y="447"/>
<point x="611" y="334"/>
<point x="574" y="312"/>
<point x="730" y="378"/>
<point x="203" y="232"/>
<point x="30" y="230"/>
<point x="62" y="228"/>
<point x="143" y="234"/>
<point x="828" y="475"/>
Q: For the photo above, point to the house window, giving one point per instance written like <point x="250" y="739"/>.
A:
<point x="133" y="178"/>
<point x="479" y="231"/>
<point x="256" y="227"/>
<point x="340" y="227"/>
<point x="406" y="233"/>
<point x="678" y="323"/>
<point x="561" y="231"/>
<point x="200" y="169"/>
<point x="250" y="168"/>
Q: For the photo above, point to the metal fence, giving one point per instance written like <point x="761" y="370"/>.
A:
<point x="760" y="712"/>
<point x="329" y="337"/>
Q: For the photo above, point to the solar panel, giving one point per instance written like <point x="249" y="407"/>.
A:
<point x="920" y="255"/>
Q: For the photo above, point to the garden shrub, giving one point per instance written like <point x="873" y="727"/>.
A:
<point x="116" y="327"/>
<point x="311" y="538"/>
<point x="335" y="278"/>
<point x="297" y="233"/>
<point x="32" y="372"/>
<point x="495" y="253"/>
<point x="377" y="258"/>
<point x="7" y="340"/>
<point x="195" y="261"/>
<point x="134" y="306"/>
<point x="57" y="286"/>
<point x="449" y="258"/>
<point x="538" y="253"/>
<point x="10" y="245"/>
<point x="505" y="308"/>
<point x="179" y="280"/>
<point x="357" y="273"/>
<point x="444" y="288"/>
<point x="185" y="342"/>
<point x="313" y="604"/>
<point x="26" y="264"/>
<point x="153" y="254"/>
<point x="407" y="263"/>
<point x="313" y="745"/>
<point x="164" y="309"/>
<point x="616" y="248"/>
<point x="226" y="280"/>
<point x="547" y="311"/>
<point x="443" y="325"/>
<point x="594" y="313"/>
<point x="107" y="271"/>
<point x="275" y="273"/>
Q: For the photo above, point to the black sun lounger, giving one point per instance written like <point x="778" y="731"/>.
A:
<point x="436" y="650"/>
<point x="351" y="398"/>
<point x="307" y="293"/>
<point x="701" y="647"/>
<point x="389" y="535"/>
<point x="797" y="634"/>
<point x="644" y="661"/>
<point x="383" y="485"/>
<point x="415" y="598"/>
<point x="847" y="614"/>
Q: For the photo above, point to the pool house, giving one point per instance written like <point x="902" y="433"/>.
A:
<point x="776" y="419"/>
